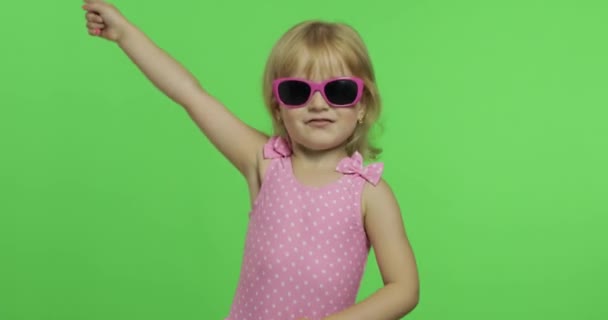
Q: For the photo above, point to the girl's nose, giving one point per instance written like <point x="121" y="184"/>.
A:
<point x="317" y="101"/>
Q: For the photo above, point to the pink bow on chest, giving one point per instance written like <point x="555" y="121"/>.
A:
<point x="354" y="165"/>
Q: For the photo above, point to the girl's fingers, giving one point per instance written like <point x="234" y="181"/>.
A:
<point x="92" y="17"/>
<point x="95" y="25"/>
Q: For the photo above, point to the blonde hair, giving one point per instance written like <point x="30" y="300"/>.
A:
<point x="330" y="47"/>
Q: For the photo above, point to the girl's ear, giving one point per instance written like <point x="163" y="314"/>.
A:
<point x="361" y="113"/>
<point x="277" y="114"/>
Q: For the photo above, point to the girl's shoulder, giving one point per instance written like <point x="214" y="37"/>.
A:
<point x="276" y="148"/>
<point x="374" y="186"/>
<point x="379" y="202"/>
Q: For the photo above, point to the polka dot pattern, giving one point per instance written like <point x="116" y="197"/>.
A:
<point x="305" y="249"/>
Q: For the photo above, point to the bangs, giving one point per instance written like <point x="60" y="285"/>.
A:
<point x="319" y="60"/>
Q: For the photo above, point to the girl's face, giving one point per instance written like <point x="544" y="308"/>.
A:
<point x="317" y="125"/>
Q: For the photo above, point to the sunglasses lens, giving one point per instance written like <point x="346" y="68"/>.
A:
<point x="341" y="92"/>
<point x="293" y="92"/>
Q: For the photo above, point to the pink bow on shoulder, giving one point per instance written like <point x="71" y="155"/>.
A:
<point x="277" y="147"/>
<point x="354" y="165"/>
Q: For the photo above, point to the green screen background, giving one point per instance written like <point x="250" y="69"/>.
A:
<point x="113" y="205"/>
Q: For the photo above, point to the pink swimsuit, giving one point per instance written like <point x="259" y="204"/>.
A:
<point x="306" y="247"/>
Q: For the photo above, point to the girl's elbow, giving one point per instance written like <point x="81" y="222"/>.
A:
<point x="411" y="300"/>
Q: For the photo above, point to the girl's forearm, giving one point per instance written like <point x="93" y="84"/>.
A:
<point x="161" y="69"/>
<point x="392" y="301"/>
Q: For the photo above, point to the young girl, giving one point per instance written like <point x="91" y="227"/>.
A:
<point x="316" y="208"/>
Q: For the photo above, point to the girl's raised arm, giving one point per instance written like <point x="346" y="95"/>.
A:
<point x="237" y="141"/>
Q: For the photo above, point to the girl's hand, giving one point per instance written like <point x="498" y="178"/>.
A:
<point x="104" y="20"/>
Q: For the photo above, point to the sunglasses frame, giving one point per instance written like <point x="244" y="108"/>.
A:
<point x="320" y="87"/>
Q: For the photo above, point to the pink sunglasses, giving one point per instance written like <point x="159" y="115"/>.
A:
<point x="337" y="92"/>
